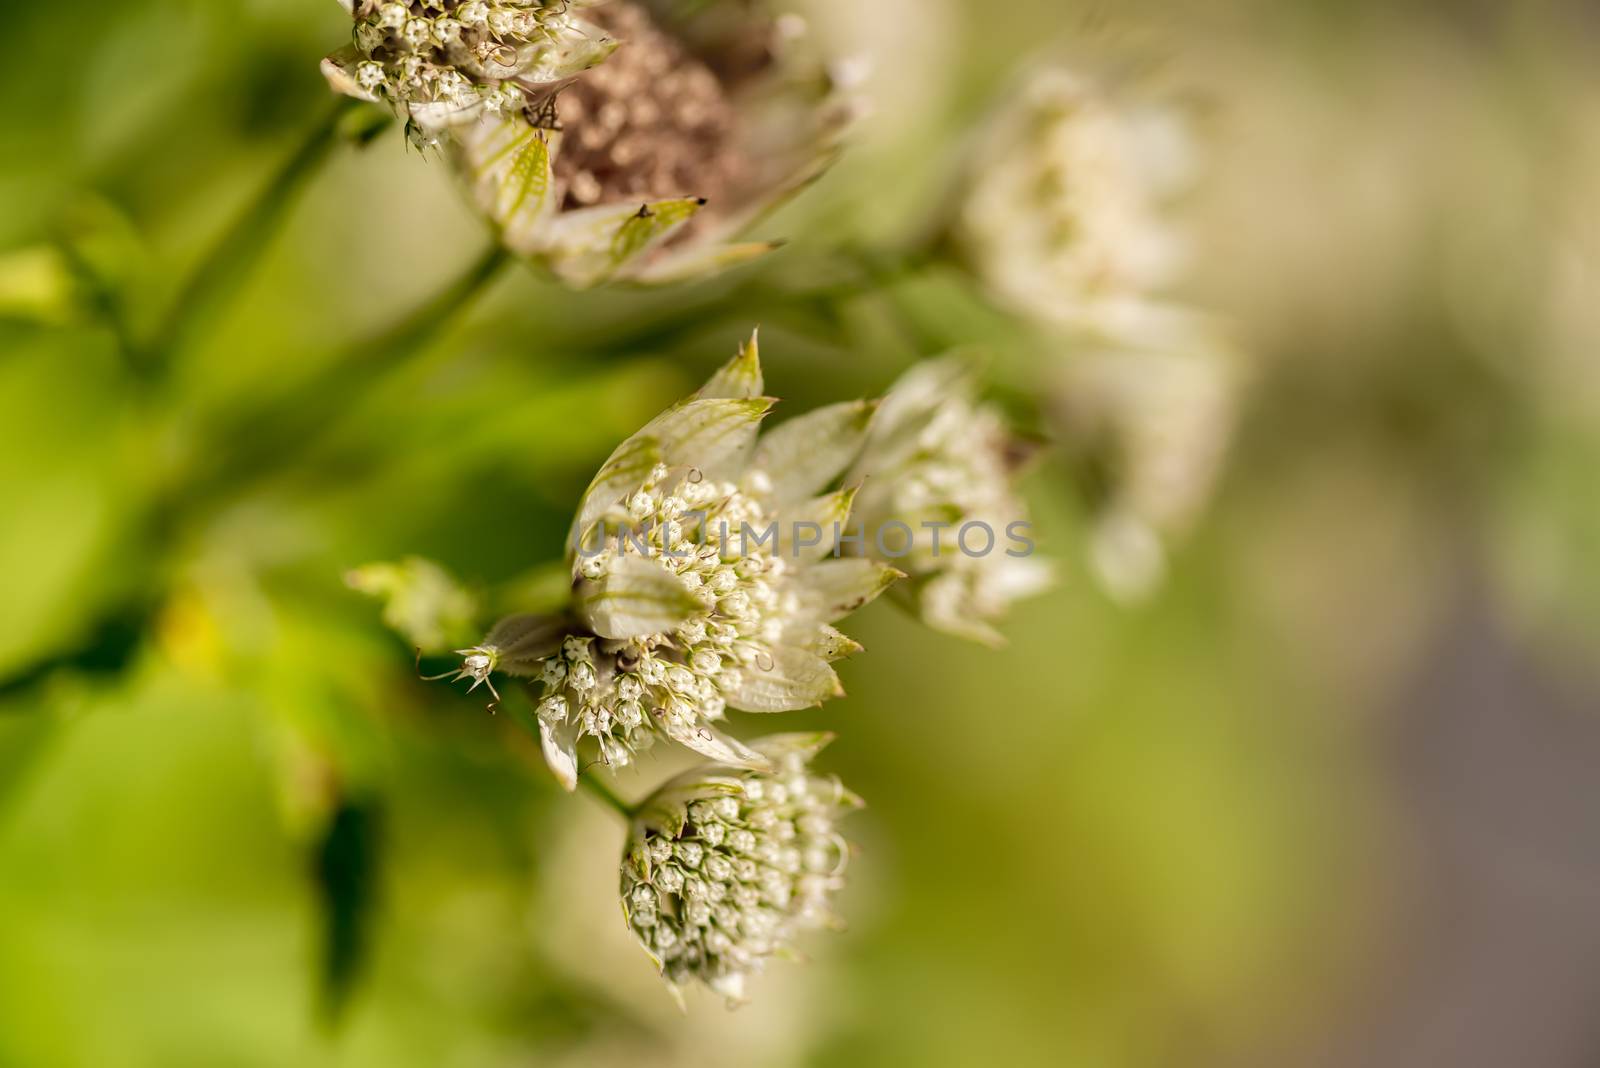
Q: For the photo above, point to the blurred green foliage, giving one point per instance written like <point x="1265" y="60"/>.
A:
<point x="229" y="809"/>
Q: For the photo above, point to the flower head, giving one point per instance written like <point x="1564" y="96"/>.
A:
<point x="938" y="497"/>
<point x="700" y="582"/>
<point x="1062" y="219"/>
<point x="446" y="64"/>
<point x="621" y="140"/>
<point x="726" y="865"/>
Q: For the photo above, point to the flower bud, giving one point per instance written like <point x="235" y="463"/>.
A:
<point x="742" y="899"/>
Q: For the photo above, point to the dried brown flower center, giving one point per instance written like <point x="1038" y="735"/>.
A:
<point x="651" y="122"/>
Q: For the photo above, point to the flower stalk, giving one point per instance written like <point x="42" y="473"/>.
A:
<point x="591" y="782"/>
<point x="223" y="269"/>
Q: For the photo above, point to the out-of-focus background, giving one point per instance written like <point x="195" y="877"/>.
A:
<point x="1327" y="796"/>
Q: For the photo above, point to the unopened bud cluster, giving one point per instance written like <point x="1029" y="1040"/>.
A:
<point x="727" y="865"/>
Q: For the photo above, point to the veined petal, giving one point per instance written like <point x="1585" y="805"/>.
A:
<point x="713" y="435"/>
<point x="507" y="164"/>
<point x="717" y="745"/>
<point x="339" y="69"/>
<point x="590" y="246"/>
<point x="813" y="519"/>
<point x="803" y="744"/>
<point x="802" y="456"/>
<point x="560" y="745"/>
<point x="739" y="378"/>
<point x="699" y="260"/>
<point x="636" y="596"/>
<point x="794" y="679"/>
<point x="622" y="473"/>
<point x="832" y="644"/>
<point x="522" y="642"/>
<point x="832" y="589"/>
<point x="578" y="46"/>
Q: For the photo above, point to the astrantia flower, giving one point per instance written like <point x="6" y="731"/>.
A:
<point x="622" y="140"/>
<point x="938" y="498"/>
<point x="1062" y="221"/>
<point x="697" y="585"/>
<point x="446" y="64"/>
<point x="725" y="866"/>
<point x="1155" y="422"/>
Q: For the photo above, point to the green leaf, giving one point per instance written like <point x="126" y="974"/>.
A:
<point x="345" y="869"/>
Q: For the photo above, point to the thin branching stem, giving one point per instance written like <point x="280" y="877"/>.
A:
<point x="591" y="782"/>
<point x="223" y="269"/>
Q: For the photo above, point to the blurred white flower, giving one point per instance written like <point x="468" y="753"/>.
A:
<point x="725" y="865"/>
<point x="421" y="600"/>
<point x="1062" y="221"/>
<point x="938" y="467"/>
<point x="696" y="588"/>
<point x="612" y="140"/>
<point x="1155" y="422"/>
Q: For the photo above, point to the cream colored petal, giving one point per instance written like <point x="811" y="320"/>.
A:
<point x="739" y="378"/>
<point x="831" y="589"/>
<point x="788" y="679"/>
<point x="635" y="597"/>
<point x="593" y="245"/>
<point x="506" y="165"/>
<point x="560" y="745"/>
<point x="802" y="456"/>
<point x="810" y="530"/>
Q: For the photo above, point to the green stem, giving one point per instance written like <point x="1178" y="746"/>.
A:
<point x="292" y="424"/>
<point x="417" y="329"/>
<point x="225" y="266"/>
<point x="591" y="782"/>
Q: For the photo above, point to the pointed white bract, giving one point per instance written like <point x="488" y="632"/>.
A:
<point x="938" y="499"/>
<point x="1062" y="220"/>
<point x="692" y="593"/>
<point x="725" y="865"/>
<point x="608" y="140"/>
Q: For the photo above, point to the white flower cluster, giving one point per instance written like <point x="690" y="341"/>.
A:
<point x="448" y="62"/>
<point x="691" y="595"/>
<point x="725" y="866"/>
<point x="679" y="682"/>
<point x="603" y="140"/>
<point x="939" y="463"/>
<point x="707" y="574"/>
<point x="1063" y="219"/>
